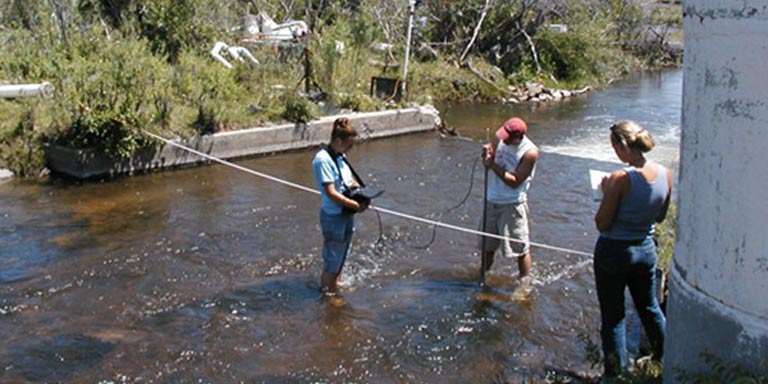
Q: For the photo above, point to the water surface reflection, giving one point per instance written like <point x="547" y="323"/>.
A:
<point x="211" y="274"/>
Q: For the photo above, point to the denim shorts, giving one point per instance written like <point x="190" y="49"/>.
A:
<point x="337" y="239"/>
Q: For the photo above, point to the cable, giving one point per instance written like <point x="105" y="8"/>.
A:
<point x="375" y="208"/>
<point x="431" y="239"/>
<point x="464" y="200"/>
<point x="471" y="183"/>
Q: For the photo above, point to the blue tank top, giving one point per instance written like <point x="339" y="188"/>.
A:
<point x="636" y="216"/>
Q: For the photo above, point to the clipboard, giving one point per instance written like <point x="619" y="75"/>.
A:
<point x="595" y="179"/>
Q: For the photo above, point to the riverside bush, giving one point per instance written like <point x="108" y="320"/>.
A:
<point x="329" y="55"/>
<point x="298" y="109"/>
<point x="109" y="91"/>
<point x="582" y="56"/>
<point x="665" y="236"/>
<point x="358" y="103"/>
<point x="174" y="26"/>
<point x="118" y="66"/>
<point x="342" y="54"/>
<point x="211" y="90"/>
<point x="20" y="147"/>
<point x="446" y="81"/>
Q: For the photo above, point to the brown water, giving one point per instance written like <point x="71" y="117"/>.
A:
<point x="211" y="275"/>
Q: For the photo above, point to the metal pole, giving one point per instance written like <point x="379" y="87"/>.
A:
<point x="483" y="266"/>
<point x="44" y="89"/>
<point x="411" y="10"/>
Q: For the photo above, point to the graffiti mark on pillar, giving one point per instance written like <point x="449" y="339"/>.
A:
<point x="745" y="12"/>
<point x="725" y="77"/>
<point x="738" y="108"/>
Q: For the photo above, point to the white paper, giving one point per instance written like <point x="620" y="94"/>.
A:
<point x="595" y="179"/>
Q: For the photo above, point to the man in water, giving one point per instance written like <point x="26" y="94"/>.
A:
<point x="511" y="158"/>
<point x="333" y="176"/>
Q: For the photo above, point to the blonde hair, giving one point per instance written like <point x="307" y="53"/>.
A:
<point x="631" y="135"/>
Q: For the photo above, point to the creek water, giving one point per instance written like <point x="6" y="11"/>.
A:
<point x="211" y="275"/>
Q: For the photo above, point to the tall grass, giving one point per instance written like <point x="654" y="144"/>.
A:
<point x="150" y="68"/>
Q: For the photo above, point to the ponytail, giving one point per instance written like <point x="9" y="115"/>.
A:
<point x="632" y="135"/>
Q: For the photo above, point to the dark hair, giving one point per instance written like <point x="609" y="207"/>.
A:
<point x="342" y="129"/>
<point x="631" y="135"/>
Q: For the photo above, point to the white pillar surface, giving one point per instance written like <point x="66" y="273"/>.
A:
<point x="719" y="280"/>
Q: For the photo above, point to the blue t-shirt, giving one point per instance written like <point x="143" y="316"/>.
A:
<point x="327" y="172"/>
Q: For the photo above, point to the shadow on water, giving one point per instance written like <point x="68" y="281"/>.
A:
<point x="54" y="360"/>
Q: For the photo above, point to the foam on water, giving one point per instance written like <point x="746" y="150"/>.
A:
<point x="593" y="144"/>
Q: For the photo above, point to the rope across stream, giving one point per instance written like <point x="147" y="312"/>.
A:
<point x="373" y="207"/>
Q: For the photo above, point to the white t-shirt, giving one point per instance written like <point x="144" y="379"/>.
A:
<point x="508" y="157"/>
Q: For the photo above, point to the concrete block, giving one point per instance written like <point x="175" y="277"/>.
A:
<point x="85" y="164"/>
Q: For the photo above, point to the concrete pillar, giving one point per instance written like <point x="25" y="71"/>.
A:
<point x="719" y="278"/>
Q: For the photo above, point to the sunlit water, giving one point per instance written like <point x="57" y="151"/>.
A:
<point x="211" y="275"/>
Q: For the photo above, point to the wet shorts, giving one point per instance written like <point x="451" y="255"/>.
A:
<point x="508" y="220"/>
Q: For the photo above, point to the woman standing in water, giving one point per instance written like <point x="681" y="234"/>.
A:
<point x="634" y="200"/>
<point x="333" y="176"/>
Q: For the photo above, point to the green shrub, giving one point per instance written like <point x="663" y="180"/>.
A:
<point x="148" y="65"/>
<point x="329" y="56"/>
<point x="358" y="103"/>
<point x="665" y="236"/>
<point x="108" y="91"/>
<point x="626" y="19"/>
<point x="20" y="147"/>
<point x="28" y="58"/>
<point x="579" y="57"/>
<point x="298" y="109"/>
<point x="211" y="89"/>
<point x="443" y="81"/>
<point x="669" y="16"/>
<point x="102" y="131"/>
<point x="175" y="26"/>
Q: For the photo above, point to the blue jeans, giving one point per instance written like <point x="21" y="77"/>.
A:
<point x="619" y="264"/>
<point x="337" y="239"/>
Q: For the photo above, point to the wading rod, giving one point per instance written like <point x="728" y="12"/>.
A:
<point x="483" y="267"/>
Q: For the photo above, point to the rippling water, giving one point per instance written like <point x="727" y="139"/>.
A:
<point x="211" y="275"/>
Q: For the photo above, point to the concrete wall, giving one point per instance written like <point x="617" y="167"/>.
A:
<point x="247" y="142"/>
<point x="719" y="278"/>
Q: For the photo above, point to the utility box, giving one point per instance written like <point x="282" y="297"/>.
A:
<point x="386" y="88"/>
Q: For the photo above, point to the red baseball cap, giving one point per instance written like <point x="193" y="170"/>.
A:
<point x="514" y="125"/>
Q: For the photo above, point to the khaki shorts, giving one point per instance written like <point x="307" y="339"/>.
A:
<point x="508" y="220"/>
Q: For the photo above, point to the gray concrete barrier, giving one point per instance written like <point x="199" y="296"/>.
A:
<point x="84" y="164"/>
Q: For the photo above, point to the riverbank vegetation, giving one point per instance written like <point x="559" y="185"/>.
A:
<point x="118" y="66"/>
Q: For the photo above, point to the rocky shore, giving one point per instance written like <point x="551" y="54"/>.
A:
<point x="537" y="93"/>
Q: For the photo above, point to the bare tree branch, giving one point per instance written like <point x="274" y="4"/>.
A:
<point x="384" y="26"/>
<point x="287" y="8"/>
<point x="533" y="49"/>
<point x="488" y="5"/>
<point x="387" y="15"/>
<point x="480" y="76"/>
<point x="59" y="16"/>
